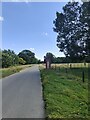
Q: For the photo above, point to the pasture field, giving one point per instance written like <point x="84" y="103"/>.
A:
<point x="73" y="65"/>
<point x="64" y="92"/>
<point x="11" y="70"/>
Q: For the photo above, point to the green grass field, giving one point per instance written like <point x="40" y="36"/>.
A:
<point x="65" y="94"/>
<point x="11" y="70"/>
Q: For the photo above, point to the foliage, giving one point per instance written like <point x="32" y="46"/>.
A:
<point x="55" y="59"/>
<point x="61" y="60"/>
<point x="49" y="56"/>
<point x="21" y="61"/>
<point x="28" y="56"/>
<point x="85" y="19"/>
<point x="9" y="58"/>
<point x="73" y="32"/>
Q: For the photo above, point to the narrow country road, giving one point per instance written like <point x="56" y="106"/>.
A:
<point x="22" y="95"/>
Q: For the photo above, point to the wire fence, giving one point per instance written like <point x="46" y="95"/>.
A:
<point x="79" y="70"/>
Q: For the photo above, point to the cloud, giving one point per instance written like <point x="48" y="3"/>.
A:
<point x="22" y="1"/>
<point x="1" y="18"/>
<point x="45" y="33"/>
<point x="26" y="1"/>
<point x="32" y="49"/>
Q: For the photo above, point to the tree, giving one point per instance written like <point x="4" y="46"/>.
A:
<point x="49" y="56"/>
<point x="59" y="60"/>
<point x="48" y="59"/>
<point x="34" y="61"/>
<point x="9" y="58"/>
<point x="6" y="60"/>
<point x="28" y="56"/>
<point x="85" y="19"/>
<point x="69" y="29"/>
<point x="39" y="61"/>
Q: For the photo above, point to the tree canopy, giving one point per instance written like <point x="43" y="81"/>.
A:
<point x="73" y="28"/>
<point x="49" y="56"/>
<point x="28" y="56"/>
<point x="9" y="58"/>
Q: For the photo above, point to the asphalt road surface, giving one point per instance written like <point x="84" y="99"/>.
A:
<point x="22" y="95"/>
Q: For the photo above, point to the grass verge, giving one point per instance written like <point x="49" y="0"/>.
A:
<point x="11" y="70"/>
<point x="65" y="95"/>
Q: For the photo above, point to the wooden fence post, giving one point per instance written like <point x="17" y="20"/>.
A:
<point x="70" y="65"/>
<point x="83" y="76"/>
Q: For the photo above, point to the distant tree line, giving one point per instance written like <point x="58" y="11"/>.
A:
<point x="73" y="31"/>
<point x="10" y="58"/>
<point x="54" y="59"/>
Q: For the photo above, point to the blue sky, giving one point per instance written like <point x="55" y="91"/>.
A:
<point x="30" y="26"/>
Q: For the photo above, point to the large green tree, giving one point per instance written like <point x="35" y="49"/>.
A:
<point x="85" y="19"/>
<point x="28" y="56"/>
<point x="70" y="30"/>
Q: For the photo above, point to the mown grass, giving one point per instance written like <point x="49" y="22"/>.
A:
<point x="11" y="70"/>
<point x="65" y="95"/>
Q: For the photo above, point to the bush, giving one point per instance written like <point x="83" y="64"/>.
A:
<point x="21" y="61"/>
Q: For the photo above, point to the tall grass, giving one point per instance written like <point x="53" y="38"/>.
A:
<point x="11" y="70"/>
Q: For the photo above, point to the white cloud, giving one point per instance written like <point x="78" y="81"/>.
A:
<point x="32" y="49"/>
<point x="45" y="33"/>
<point x="1" y="18"/>
<point x="27" y="1"/>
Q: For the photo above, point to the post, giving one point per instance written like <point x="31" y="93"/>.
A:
<point x="83" y="76"/>
<point x="70" y="65"/>
<point x="84" y="63"/>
